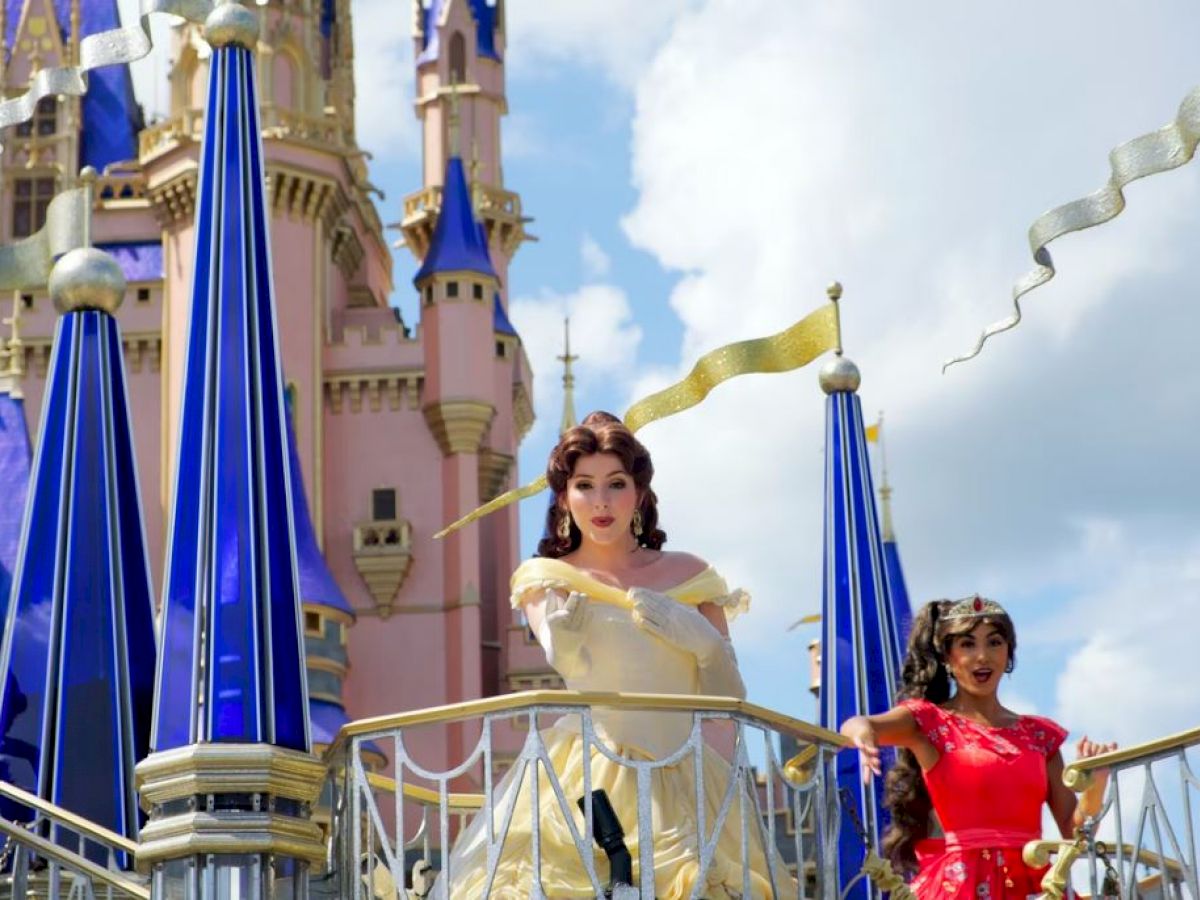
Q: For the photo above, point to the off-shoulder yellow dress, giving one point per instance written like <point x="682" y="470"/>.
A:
<point x="624" y="658"/>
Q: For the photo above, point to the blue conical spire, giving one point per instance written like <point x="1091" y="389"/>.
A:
<point x="232" y="658"/>
<point x="16" y="457"/>
<point x="78" y="650"/>
<point x="861" y="646"/>
<point x="458" y="243"/>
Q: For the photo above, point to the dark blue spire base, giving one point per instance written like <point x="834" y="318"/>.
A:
<point x="861" y="648"/>
<point x="78" y="650"/>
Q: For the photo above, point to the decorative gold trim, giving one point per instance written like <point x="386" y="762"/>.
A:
<point x="425" y="796"/>
<point x="1073" y="774"/>
<point x="51" y="850"/>
<point x="649" y="702"/>
<point x="58" y="814"/>
<point x="230" y="831"/>
<point x="228" y="769"/>
<point x="494" y="467"/>
<point x="459" y="425"/>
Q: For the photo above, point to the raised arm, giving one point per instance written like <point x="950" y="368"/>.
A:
<point x="559" y="622"/>
<point x="895" y="728"/>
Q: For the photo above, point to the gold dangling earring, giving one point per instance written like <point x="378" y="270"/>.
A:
<point x="564" y="526"/>
<point x="637" y="523"/>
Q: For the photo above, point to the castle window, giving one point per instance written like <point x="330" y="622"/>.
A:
<point x="383" y="504"/>
<point x="143" y="295"/>
<point x="44" y="121"/>
<point x="31" y="196"/>
<point x="458" y="58"/>
<point x="477" y="291"/>
<point x="27" y="301"/>
<point x="429" y="293"/>
<point x="501" y="350"/>
<point x="312" y="624"/>
<point x="451" y="288"/>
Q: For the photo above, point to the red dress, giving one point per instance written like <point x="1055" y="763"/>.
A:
<point x="987" y="787"/>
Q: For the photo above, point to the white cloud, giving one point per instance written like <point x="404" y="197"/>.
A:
<point x="778" y="146"/>
<point x="617" y="36"/>
<point x="596" y="262"/>
<point x="603" y="336"/>
<point x="383" y="71"/>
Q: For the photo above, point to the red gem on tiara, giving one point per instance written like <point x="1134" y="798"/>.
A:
<point x="978" y="604"/>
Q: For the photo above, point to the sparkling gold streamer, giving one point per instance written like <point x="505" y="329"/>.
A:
<point x="1169" y="147"/>
<point x="797" y="346"/>
<point x="790" y="349"/>
<point x="26" y="264"/>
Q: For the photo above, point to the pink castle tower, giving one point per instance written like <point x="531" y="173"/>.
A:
<point x="397" y="431"/>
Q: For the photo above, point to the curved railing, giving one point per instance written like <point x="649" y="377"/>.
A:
<point x="380" y="825"/>
<point x="63" y="864"/>
<point x="1143" y="840"/>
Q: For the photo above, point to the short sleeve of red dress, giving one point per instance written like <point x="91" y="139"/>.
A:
<point x="931" y="720"/>
<point x="1042" y="734"/>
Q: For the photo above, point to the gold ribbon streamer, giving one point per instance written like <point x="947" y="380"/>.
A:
<point x="1168" y="148"/>
<point x="26" y="264"/>
<point x="105" y="48"/>
<point x="790" y="349"/>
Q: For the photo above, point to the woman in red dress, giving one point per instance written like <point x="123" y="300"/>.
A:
<point x="981" y="769"/>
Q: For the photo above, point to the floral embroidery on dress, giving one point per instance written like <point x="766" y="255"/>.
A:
<point x="947" y="730"/>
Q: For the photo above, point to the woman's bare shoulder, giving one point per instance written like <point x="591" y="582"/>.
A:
<point x="676" y="564"/>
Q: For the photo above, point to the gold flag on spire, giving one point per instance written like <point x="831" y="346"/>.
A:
<point x="790" y="349"/>
<point x="872" y="433"/>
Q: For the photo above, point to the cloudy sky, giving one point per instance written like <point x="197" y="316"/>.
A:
<point x="699" y="170"/>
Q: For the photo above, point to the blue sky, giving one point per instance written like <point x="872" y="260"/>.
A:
<point x="698" y="170"/>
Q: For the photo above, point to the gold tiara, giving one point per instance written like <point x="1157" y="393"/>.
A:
<point x="789" y="349"/>
<point x="973" y="607"/>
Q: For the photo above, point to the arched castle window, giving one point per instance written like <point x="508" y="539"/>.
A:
<point x="458" y="58"/>
<point x="31" y="196"/>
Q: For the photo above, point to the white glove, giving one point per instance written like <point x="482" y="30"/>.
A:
<point x="685" y="627"/>
<point x="563" y="634"/>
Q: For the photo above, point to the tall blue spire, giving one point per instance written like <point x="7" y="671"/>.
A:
<point x="458" y="243"/>
<point x="78" y="651"/>
<point x="231" y="702"/>
<point x="232" y="658"/>
<point x="861" y="646"/>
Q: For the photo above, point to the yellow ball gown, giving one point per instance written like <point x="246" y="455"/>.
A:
<point x="624" y="658"/>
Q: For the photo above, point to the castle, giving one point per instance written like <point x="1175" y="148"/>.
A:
<point x="393" y="619"/>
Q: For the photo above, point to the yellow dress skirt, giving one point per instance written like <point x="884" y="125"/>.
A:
<point x="676" y="842"/>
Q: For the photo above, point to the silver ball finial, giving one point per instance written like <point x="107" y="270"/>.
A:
<point x="86" y="278"/>
<point x="834" y="291"/>
<point x="231" y="23"/>
<point x="840" y="376"/>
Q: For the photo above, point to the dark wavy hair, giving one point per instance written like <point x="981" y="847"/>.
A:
<point x="600" y="432"/>
<point x="924" y="676"/>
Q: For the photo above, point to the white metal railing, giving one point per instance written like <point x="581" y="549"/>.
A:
<point x="1142" y="842"/>
<point x="373" y="825"/>
<point x="54" y="856"/>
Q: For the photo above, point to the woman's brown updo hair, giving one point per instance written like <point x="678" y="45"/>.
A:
<point x="924" y="676"/>
<point x="600" y="432"/>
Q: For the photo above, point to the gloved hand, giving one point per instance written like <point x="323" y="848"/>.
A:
<point x="563" y="634"/>
<point x="685" y="627"/>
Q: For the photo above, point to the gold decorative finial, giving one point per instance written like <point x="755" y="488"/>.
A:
<point x="452" y="118"/>
<point x="834" y="293"/>
<point x="885" y="489"/>
<point x="568" y="417"/>
<point x="87" y="177"/>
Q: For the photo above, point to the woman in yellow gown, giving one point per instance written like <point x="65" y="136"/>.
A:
<point x="614" y="612"/>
